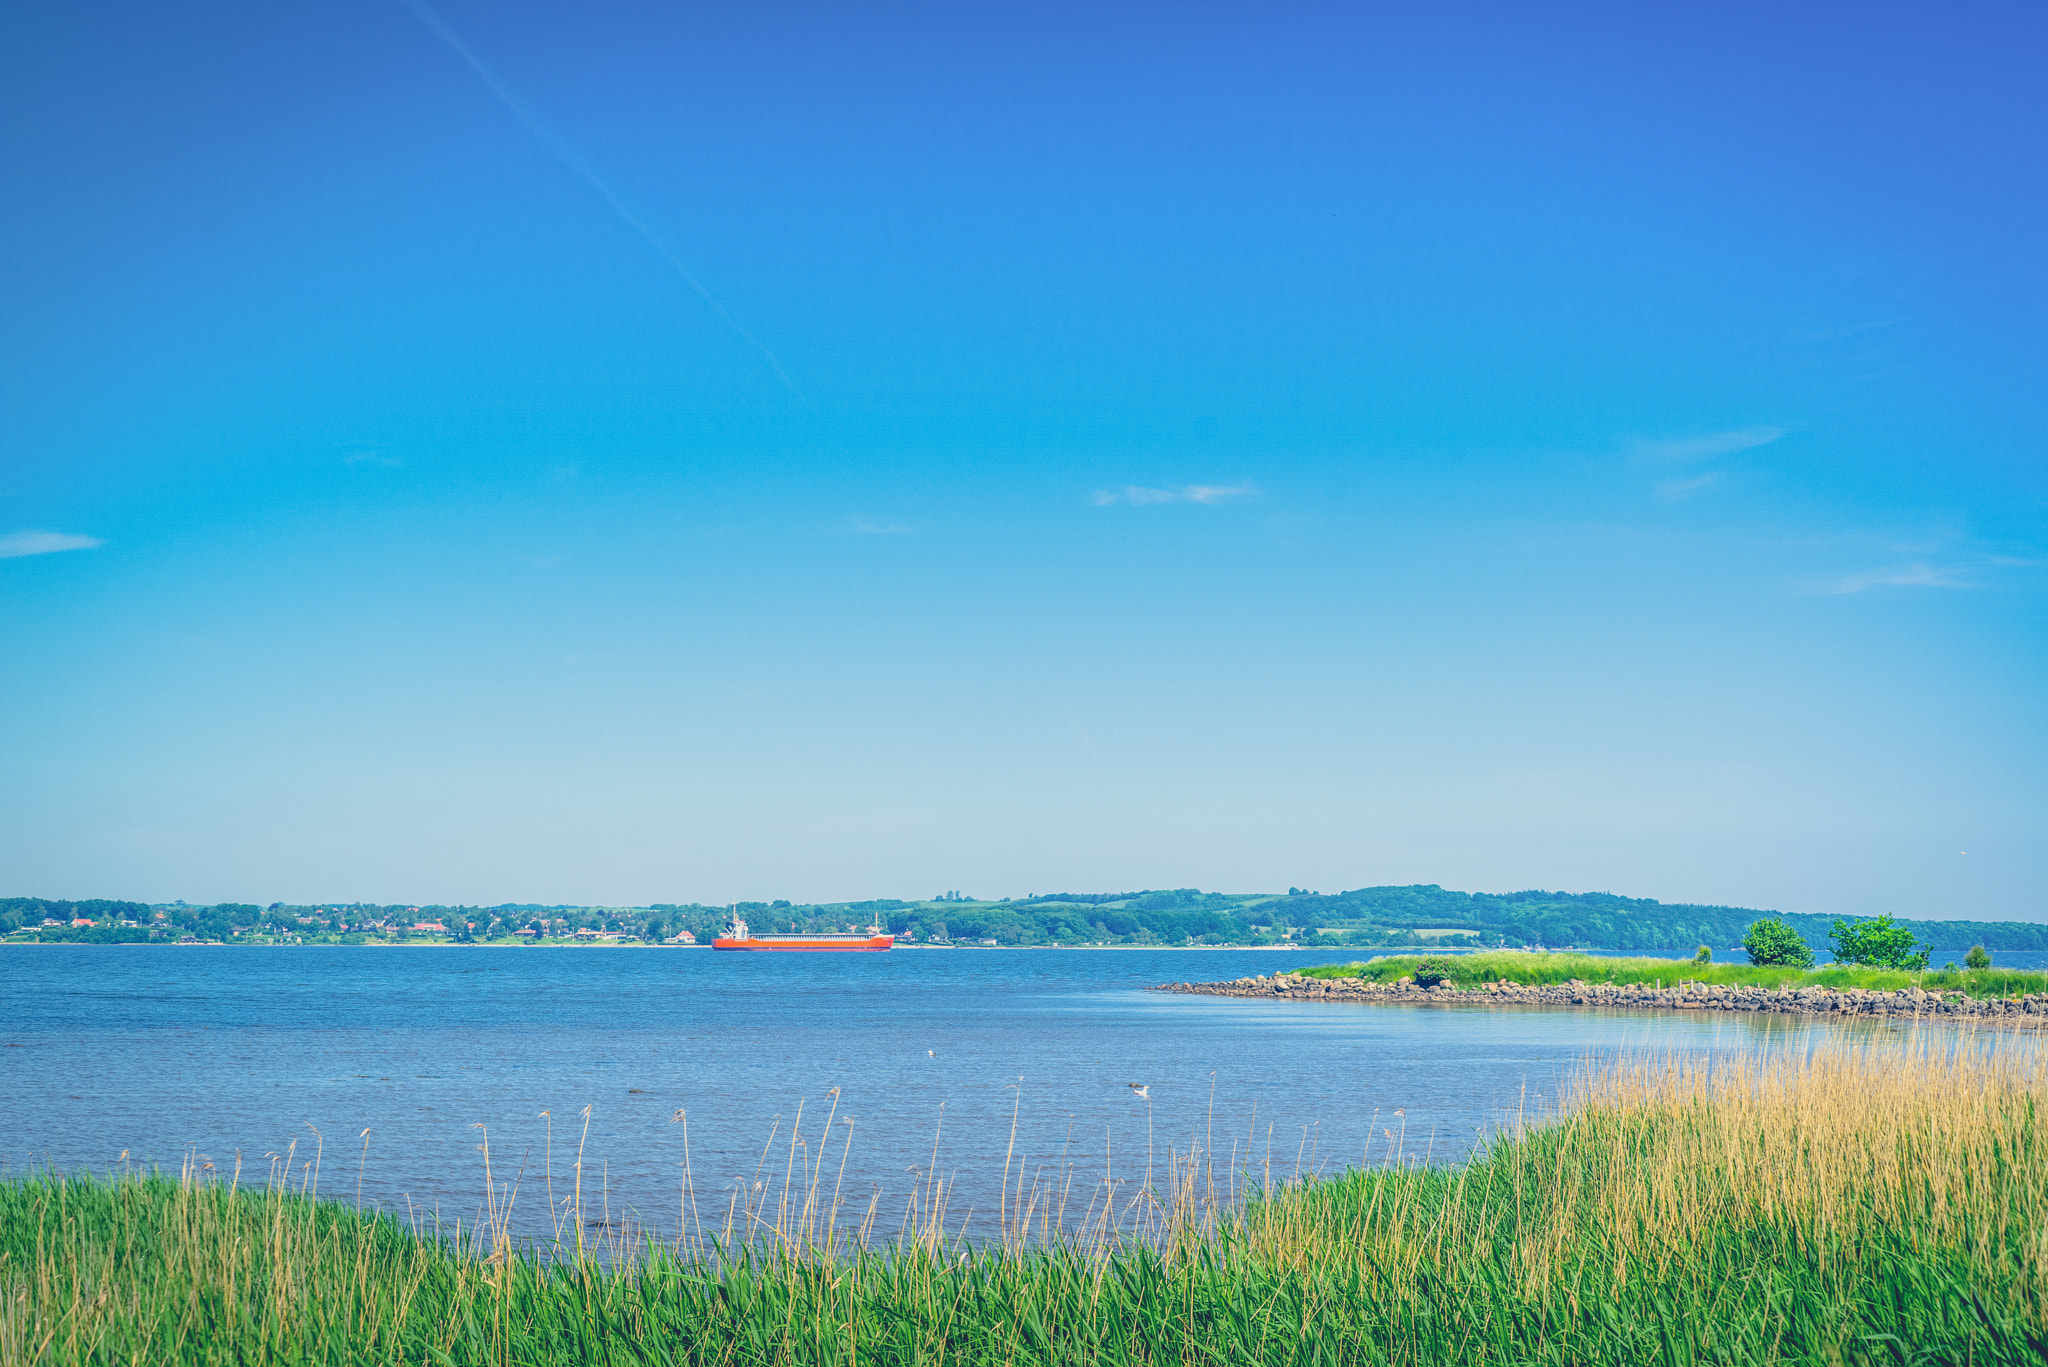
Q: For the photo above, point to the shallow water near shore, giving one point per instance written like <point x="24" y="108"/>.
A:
<point x="164" y="1051"/>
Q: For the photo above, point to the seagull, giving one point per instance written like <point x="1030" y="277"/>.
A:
<point x="1144" y="1093"/>
<point x="929" y="1054"/>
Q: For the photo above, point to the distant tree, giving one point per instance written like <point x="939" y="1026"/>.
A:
<point x="1772" y="943"/>
<point x="1877" y="943"/>
<point x="238" y="913"/>
<point x="1703" y="956"/>
<point x="209" y="923"/>
<point x="1978" y="957"/>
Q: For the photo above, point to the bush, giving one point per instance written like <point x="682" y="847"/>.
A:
<point x="1978" y="957"/>
<point x="1773" y="944"/>
<point x="1877" y="943"/>
<point x="1703" y="955"/>
<point x="1431" y="972"/>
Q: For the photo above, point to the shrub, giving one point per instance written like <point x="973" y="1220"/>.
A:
<point x="1878" y="943"/>
<point x="1978" y="957"/>
<point x="1431" y="972"/>
<point x="1774" y="944"/>
<point x="1703" y="955"/>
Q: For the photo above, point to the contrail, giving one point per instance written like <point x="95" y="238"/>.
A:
<point x="594" y="178"/>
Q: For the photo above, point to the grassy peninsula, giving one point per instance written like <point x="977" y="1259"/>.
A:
<point x="1852" y="1205"/>
<point x="1475" y="970"/>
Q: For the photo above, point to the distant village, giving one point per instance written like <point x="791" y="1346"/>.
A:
<point x="1390" y="918"/>
<point x="102" y="922"/>
<point x="1179" y="917"/>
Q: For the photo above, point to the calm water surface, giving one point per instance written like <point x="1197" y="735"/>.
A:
<point x="162" y="1051"/>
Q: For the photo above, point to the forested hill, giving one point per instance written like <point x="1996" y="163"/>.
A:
<point x="1370" y="918"/>
<point x="1603" y="920"/>
<point x="1401" y="916"/>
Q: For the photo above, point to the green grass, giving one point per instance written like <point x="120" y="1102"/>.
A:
<point x="1470" y="970"/>
<point x="1872" y="1205"/>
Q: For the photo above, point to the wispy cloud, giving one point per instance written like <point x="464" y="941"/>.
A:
<point x="17" y="544"/>
<point x="1914" y="576"/>
<point x="1139" y="495"/>
<point x="1680" y="450"/>
<point x="867" y="526"/>
<point x="1678" y="490"/>
<point x="1216" y="493"/>
<point x="371" y="458"/>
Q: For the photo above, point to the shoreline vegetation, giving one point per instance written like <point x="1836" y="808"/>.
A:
<point x="632" y="945"/>
<point x="1509" y="979"/>
<point x="1469" y="971"/>
<point x="1871" y="1203"/>
<point x="1466" y="971"/>
<point x="1390" y="919"/>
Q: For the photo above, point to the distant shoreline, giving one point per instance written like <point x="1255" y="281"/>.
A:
<point x="616" y="944"/>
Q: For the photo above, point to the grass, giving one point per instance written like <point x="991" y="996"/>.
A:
<point x="1878" y="1204"/>
<point x="1470" y="970"/>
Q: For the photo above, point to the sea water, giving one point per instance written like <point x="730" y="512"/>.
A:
<point x="394" y="1065"/>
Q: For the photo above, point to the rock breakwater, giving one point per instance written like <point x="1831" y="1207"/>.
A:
<point x="2022" y="1012"/>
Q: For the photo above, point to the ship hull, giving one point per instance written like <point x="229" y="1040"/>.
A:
<point x="868" y="944"/>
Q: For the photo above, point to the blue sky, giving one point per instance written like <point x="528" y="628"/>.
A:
<point x="633" y="452"/>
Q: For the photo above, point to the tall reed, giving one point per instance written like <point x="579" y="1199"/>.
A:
<point x="1874" y="1203"/>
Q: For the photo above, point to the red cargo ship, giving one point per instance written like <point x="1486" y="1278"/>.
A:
<point x="738" y="937"/>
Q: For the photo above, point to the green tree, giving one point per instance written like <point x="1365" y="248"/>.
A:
<point x="1703" y="956"/>
<point x="1877" y="943"/>
<point x="238" y="914"/>
<point x="1775" y="944"/>
<point x="1978" y="957"/>
<point x="1433" y="971"/>
<point x="208" y="923"/>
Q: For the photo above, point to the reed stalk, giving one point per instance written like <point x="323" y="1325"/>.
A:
<point x="1851" y="1203"/>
